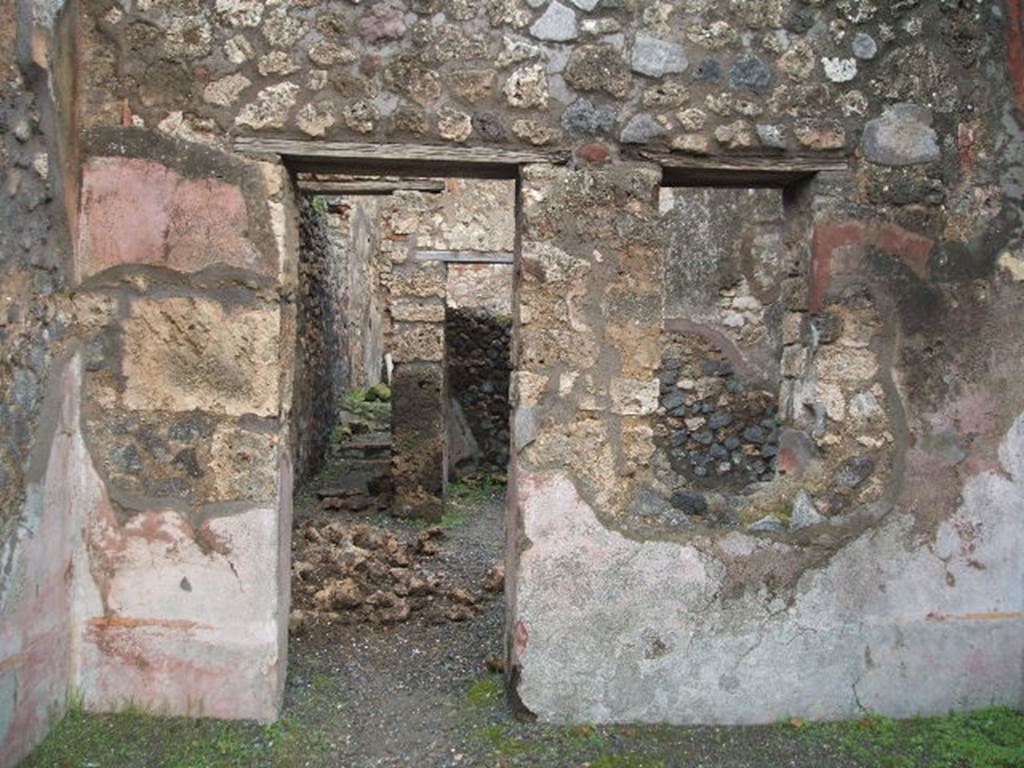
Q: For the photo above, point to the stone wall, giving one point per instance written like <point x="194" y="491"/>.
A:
<point x="482" y="286"/>
<point x="188" y="357"/>
<point x="824" y="566"/>
<point x="37" y="530"/>
<point x="893" y="342"/>
<point x="322" y="359"/>
<point x="470" y="215"/>
<point x="477" y="354"/>
<point x="719" y="420"/>
<point x="697" y="76"/>
<point x="151" y="563"/>
<point x="354" y="231"/>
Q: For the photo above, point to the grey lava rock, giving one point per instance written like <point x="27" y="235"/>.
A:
<point x="719" y="420"/>
<point x="640" y="129"/>
<point x="649" y="503"/>
<point x="656" y="58"/>
<point x="584" y="117"/>
<point x="558" y="24"/>
<point x="804" y="513"/>
<point x="708" y="71"/>
<point x="864" y="46"/>
<point x="750" y="73"/>
<point x="768" y="524"/>
<point x="672" y="400"/>
<point x="690" y="502"/>
<point x="668" y="378"/>
<point x="754" y="435"/>
<point x="771" y="136"/>
<point x="903" y="135"/>
<point x="853" y="472"/>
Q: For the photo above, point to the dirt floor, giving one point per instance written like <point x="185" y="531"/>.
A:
<point x="418" y="693"/>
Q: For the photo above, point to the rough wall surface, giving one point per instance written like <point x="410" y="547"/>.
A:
<point x="891" y="583"/>
<point x="322" y="359"/>
<point x="481" y="286"/>
<point x="469" y="215"/>
<point x="37" y="530"/>
<point x="478" y="345"/>
<point x="355" y="232"/>
<point x="684" y="614"/>
<point x="695" y="76"/>
<point x="188" y="353"/>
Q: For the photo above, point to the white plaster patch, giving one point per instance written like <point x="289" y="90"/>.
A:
<point x="1012" y="265"/>
<point x="634" y="397"/>
<point x="839" y="70"/>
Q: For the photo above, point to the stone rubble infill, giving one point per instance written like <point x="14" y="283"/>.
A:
<point x="352" y="573"/>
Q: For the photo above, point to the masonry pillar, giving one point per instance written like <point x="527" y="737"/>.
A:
<point x="185" y="261"/>
<point x="419" y="394"/>
<point x="588" y="316"/>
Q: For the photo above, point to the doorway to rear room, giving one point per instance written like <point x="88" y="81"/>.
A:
<point x="400" y="407"/>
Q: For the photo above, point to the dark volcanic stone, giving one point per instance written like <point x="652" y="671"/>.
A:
<point x="708" y="71"/>
<point x="673" y="400"/>
<point x="799" y="21"/>
<point x="853" y="472"/>
<point x="188" y="461"/>
<point x="753" y="435"/>
<point x="719" y="420"/>
<point x="751" y="73"/>
<point x="704" y="437"/>
<point x="829" y="327"/>
<point x="584" y="117"/>
<point x="127" y="459"/>
<point x="647" y="503"/>
<point x="690" y="502"/>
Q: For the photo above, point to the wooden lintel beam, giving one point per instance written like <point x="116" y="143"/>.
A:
<point x="406" y="159"/>
<point x="688" y="170"/>
<point x="370" y="187"/>
<point x="466" y="257"/>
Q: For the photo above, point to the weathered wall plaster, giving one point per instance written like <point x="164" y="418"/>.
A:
<point x="901" y="282"/>
<point x="38" y="151"/>
<point x="189" y="358"/>
<point x="880" y="602"/>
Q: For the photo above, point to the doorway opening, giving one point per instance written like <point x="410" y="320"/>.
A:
<point x="401" y="408"/>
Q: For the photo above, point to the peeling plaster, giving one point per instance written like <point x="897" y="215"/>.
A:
<point x="876" y="628"/>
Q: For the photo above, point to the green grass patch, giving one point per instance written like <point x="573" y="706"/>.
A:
<point x="496" y="738"/>
<point x="487" y="691"/>
<point x="989" y="738"/>
<point x="476" y="489"/>
<point x="627" y="761"/>
<point x="135" y="738"/>
<point x="452" y="518"/>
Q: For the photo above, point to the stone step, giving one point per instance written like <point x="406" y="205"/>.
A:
<point x="364" y="450"/>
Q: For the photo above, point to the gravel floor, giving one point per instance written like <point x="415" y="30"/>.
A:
<point x="397" y="694"/>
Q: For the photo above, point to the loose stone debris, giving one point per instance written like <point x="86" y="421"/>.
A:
<point x="356" y="572"/>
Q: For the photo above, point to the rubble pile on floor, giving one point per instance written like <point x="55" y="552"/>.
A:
<point x="356" y="572"/>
